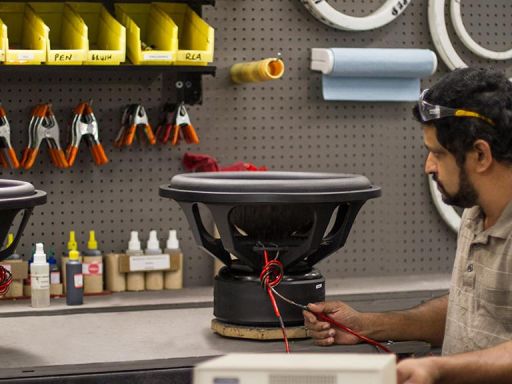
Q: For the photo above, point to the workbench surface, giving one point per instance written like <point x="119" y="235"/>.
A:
<point x="162" y="330"/>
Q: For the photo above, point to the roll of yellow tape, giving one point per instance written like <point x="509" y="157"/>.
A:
<point x="256" y="71"/>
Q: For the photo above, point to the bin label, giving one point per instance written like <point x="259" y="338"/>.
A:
<point x="102" y="57"/>
<point x="149" y="263"/>
<point x="157" y="56"/>
<point x="26" y="56"/>
<point x="193" y="56"/>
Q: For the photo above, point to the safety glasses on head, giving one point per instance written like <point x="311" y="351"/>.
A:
<point x="430" y="112"/>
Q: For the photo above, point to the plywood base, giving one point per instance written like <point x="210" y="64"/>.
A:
<point x="255" y="332"/>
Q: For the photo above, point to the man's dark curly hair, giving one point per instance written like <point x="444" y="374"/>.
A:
<point x="485" y="91"/>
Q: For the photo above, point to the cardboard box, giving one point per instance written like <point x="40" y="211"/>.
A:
<point x="56" y="289"/>
<point x="144" y="263"/>
<point x="18" y="268"/>
<point x="15" y="289"/>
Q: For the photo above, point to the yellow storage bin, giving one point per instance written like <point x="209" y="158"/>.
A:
<point x="149" y="26"/>
<point x="23" y="35"/>
<point x="107" y="37"/>
<point x="67" y="42"/>
<point x="195" y="36"/>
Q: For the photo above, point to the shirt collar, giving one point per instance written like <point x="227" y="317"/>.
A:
<point x="501" y="229"/>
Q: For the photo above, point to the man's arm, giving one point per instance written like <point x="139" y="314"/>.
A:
<point x="492" y="365"/>
<point x="425" y="322"/>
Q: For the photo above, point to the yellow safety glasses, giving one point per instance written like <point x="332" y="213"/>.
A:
<point x="430" y="112"/>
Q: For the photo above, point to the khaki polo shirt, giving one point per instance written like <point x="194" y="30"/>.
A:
<point x="480" y="300"/>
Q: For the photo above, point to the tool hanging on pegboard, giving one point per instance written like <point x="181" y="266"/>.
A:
<point x="8" y="157"/>
<point x="134" y="116"/>
<point x="43" y="126"/>
<point x="176" y="124"/>
<point x="85" y="125"/>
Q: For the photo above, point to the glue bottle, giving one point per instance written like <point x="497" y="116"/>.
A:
<point x="72" y="245"/>
<point x="174" y="278"/>
<point x="93" y="266"/>
<point x="154" y="279"/>
<point x="40" y="279"/>
<point x="74" y="280"/>
<point x="56" y="286"/>
<point x="134" y="280"/>
<point x="54" y="268"/>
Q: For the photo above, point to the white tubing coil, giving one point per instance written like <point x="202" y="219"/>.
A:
<point x="324" y="12"/>
<point x="440" y="37"/>
<point x="466" y="39"/>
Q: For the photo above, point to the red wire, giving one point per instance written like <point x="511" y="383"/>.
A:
<point x="271" y="278"/>
<point x="272" y="274"/>
<point x="5" y="280"/>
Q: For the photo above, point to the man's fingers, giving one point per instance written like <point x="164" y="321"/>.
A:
<point x="322" y="335"/>
<point x="311" y="322"/>
<point x="326" y="307"/>
<point x="316" y="307"/>
<point x="309" y="317"/>
<point x="324" y="342"/>
<point x="333" y="306"/>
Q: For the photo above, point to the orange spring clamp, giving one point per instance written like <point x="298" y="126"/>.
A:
<point x="134" y="116"/>
<point x="85" y="125"/>
<point x="8" y="158"/>
<point x="176" y="125"/>
<point x="43" y="126"/>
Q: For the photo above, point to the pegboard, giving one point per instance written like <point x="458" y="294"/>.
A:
<point x="283" y="124"/>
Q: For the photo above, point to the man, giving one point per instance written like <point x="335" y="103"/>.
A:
<point x="467" y="130"/>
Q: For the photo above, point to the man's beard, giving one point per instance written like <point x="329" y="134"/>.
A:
<point x="465" y="197"/>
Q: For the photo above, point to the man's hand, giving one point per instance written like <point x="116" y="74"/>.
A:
<point x="417" y="371"/>
<point x="323" y="333"/>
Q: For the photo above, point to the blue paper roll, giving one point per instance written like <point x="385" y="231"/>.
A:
<point x="373" y="74"/>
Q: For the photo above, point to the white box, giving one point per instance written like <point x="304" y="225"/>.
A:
<point x="299" y="368"/>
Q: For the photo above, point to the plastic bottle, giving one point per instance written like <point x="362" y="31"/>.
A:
<point x="54" y="269"/>
<point x="154" y="279"/>
<point x="74" y="280"/>
<point x="56" y="286"/>
<point x="72" y="245"/>
<point x="134" y="280"/>
<point x="92" y="266"/>
<point x="174" y="279"/>
<point x="40" y="279"/>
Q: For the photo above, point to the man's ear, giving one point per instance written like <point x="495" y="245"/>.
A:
<point x="482" y="155"/>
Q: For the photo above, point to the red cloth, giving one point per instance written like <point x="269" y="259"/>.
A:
<point x="198" y="162"/>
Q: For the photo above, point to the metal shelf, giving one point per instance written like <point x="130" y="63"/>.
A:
<point x="204" y="70"/>
<point x="187" y="80"/>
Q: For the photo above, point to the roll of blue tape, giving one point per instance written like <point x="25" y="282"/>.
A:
<point x="373" y="74"/>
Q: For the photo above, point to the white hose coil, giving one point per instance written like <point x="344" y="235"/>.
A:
<point x="466" y="39"/>
<point x="440" y="37"/>
<point x="324" y="12"/>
